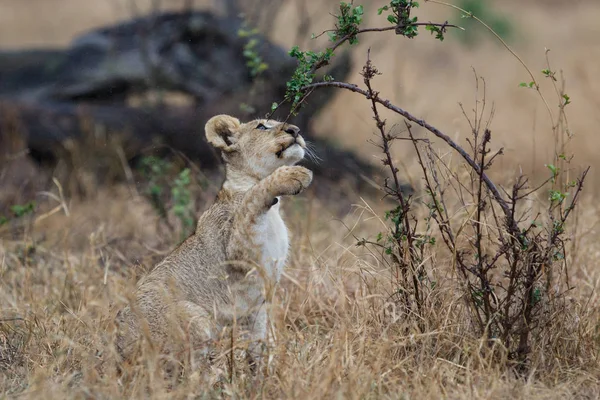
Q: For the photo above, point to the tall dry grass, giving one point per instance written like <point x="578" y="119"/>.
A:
<point x="337" y="332"/>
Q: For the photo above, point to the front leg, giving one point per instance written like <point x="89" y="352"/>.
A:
<point x="257" y="336"/>
<point x="256" y="202"/>
<point x="244" y="254"/>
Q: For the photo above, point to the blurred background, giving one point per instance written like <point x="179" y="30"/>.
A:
<point x="104" y="170"/>
<point x="58" y="57"/>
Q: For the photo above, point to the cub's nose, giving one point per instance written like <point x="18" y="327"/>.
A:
<point x="292" y="130"/>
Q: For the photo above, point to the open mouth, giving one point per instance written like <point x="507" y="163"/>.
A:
<point x="284" y="148"/>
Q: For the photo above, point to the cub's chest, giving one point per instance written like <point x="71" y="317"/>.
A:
<point x="272" y="237"/>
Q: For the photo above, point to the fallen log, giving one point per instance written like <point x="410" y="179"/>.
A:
<point x="194" y="52"/>
<point x="58" y="100"/>
<point x="51" y="130"/>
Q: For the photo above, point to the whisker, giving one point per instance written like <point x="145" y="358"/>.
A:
<point x="312" y="154"/>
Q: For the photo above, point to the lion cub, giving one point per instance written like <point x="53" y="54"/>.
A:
<point x="218" y="277"/>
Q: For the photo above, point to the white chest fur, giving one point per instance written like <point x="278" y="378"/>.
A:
<point x="272" y="236"/>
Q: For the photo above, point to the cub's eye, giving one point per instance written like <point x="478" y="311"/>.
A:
<point x="261" y="127"/>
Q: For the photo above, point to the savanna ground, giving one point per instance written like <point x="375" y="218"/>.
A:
<point x="338" y="333"/>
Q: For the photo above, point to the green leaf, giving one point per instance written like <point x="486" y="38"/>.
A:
<point x="295" y="52"/>
<point x="382" y="9"/>
<point x="392" y="19"/>
<point x="553" y="169"/>
<point x="20" y="210"/>
<point x="557" y="197"/>
<point x="529" y="85"/>
<point x="274" y="106"/>
<point x="155" y="190"/>
<point x="536" y="296"/>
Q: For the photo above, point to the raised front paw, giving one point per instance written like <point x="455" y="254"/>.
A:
<point x="291" y="180"/>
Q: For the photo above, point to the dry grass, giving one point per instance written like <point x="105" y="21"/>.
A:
<point x="338" y="334"/>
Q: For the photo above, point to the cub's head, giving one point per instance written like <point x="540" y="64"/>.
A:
<point x="258" y="147"/>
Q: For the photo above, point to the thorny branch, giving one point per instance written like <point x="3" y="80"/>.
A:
<point x="408" y="260"/>
<point x="396" y="28"/>
<point x="387" y="104"/>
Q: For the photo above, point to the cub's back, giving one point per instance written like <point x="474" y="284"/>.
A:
<point x="193" y="273"/>
<point x="197" y="266"/>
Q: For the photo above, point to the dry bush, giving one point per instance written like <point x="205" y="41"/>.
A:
<point x="512" y="262"/>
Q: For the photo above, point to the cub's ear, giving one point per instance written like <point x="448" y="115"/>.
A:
<point x="219" y="131"/>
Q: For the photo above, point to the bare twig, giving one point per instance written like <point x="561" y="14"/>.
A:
<point x="408" y="259"/>
<point x="387" y="104"/>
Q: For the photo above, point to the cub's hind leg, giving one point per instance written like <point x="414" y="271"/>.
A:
<point x="179" y="328"/>
<point x="201" y="331"/>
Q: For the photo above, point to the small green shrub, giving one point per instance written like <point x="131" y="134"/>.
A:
<point x="169" y="191"/>
<point x="20" y="210"/>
